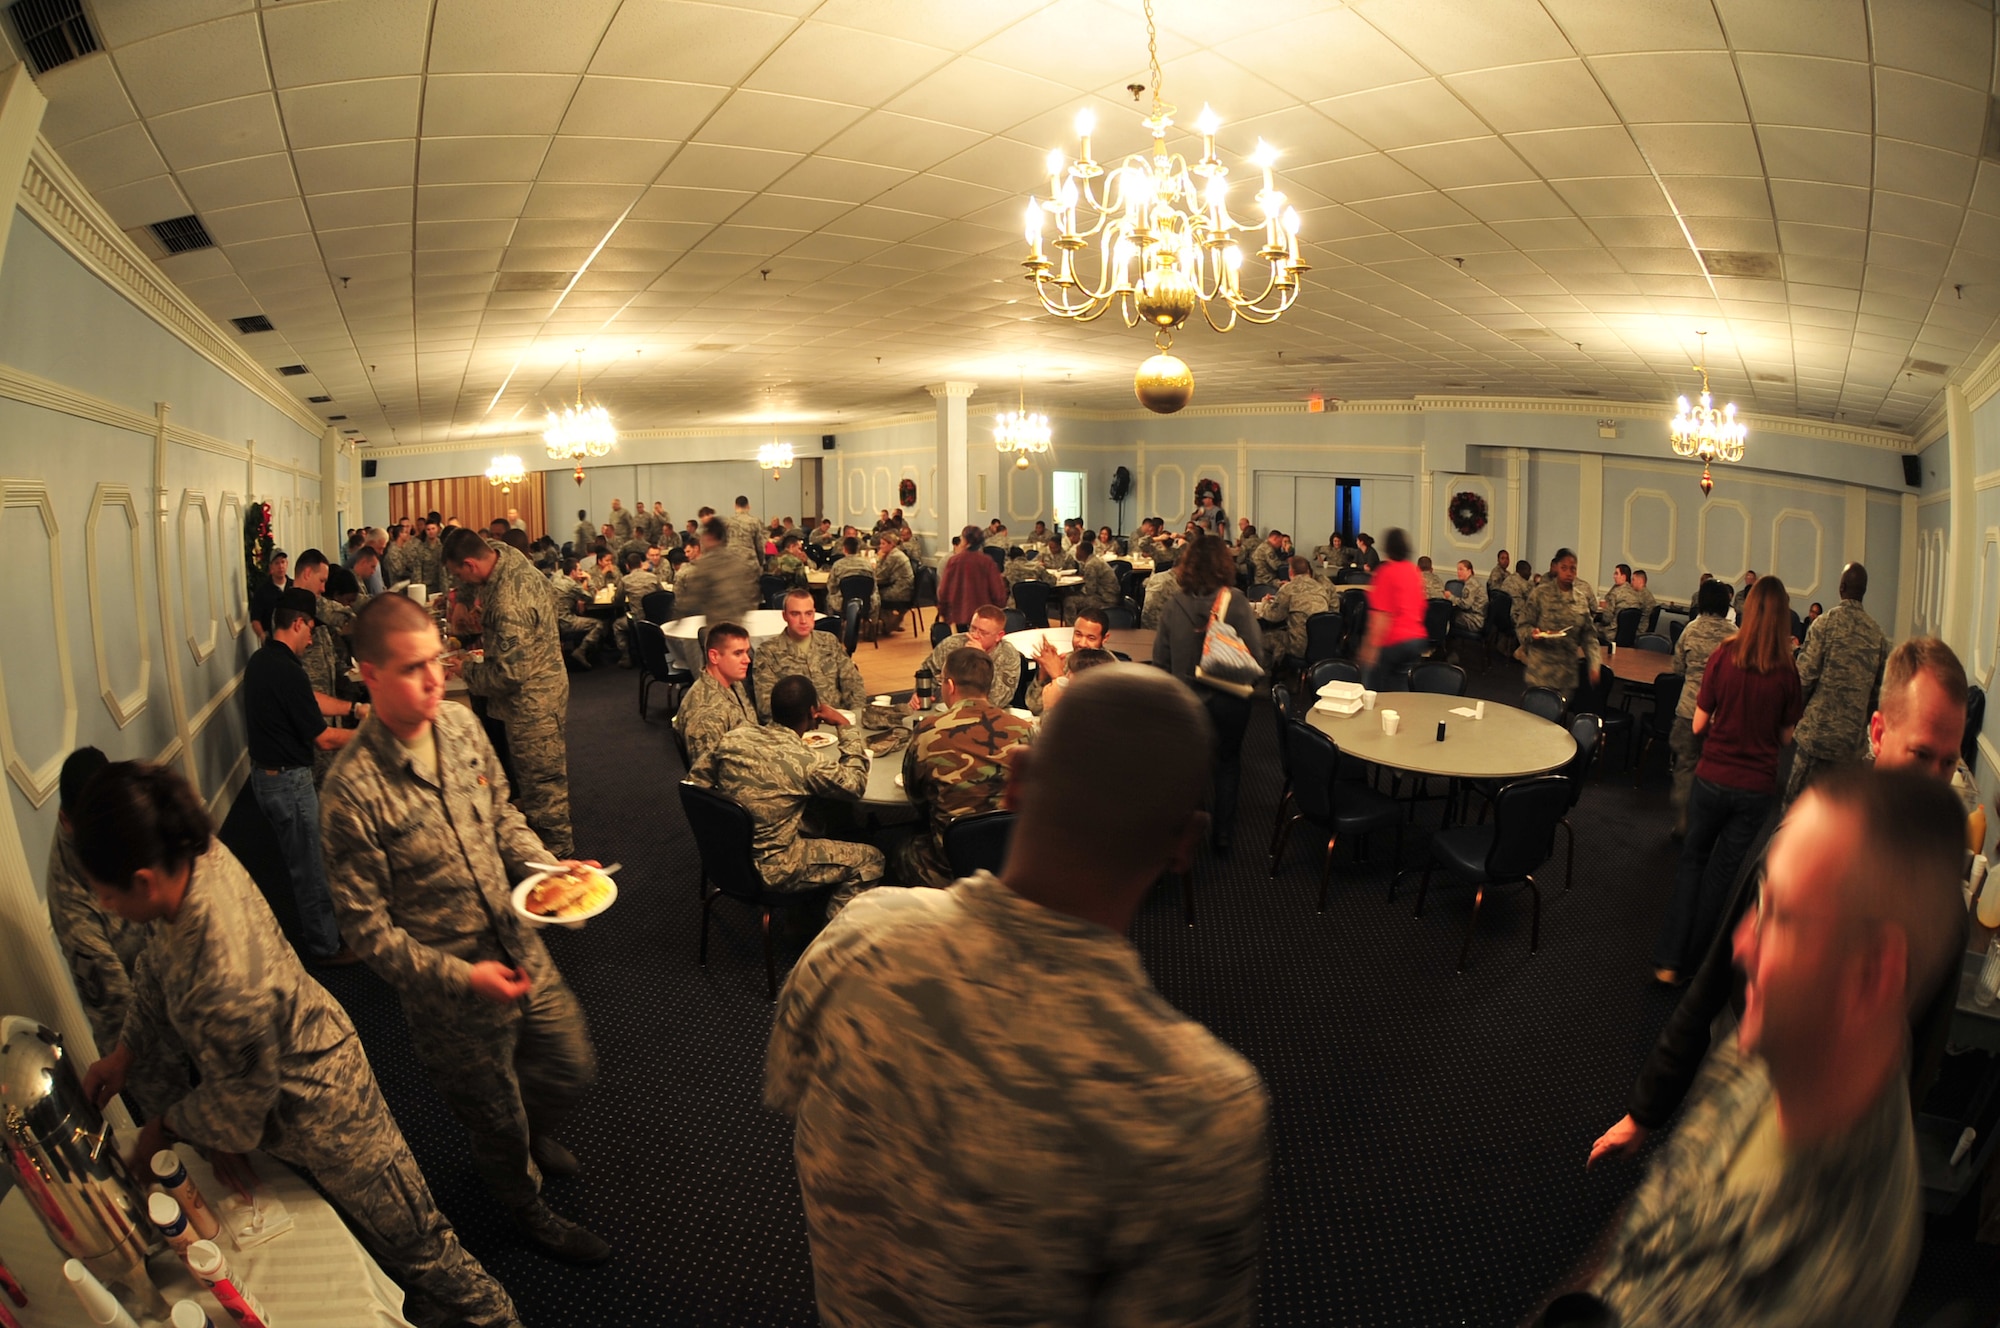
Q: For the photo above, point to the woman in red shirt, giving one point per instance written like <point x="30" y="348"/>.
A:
<point x="1749" y="702"/>
<point x="971" y="581"/>
<point x="1396" y="602"/>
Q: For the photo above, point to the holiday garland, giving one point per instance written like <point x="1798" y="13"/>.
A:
<point x="1468" y="513"/>
<point x="257" y="542"/>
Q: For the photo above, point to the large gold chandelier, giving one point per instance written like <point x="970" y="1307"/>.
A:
<point x="579" y="431"/>
<point x="1705" y="432"/>
<point x="1022" y="434"/>
<point x="506" y="472"/>
<point x="1165" y="241"/>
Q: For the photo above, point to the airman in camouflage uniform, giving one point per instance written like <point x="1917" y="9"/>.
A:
<point x="526" y="688"/>
<point x="1100" y="584"/>
<point x="772" y="774"/>
<point x="620" y="522"/>
<point x="423" y="857"/>
<point x="1020" y="567"/>
<point x="746" y="531"/>
<point x="1470" y="602"/>
<point x="427" y="564"/>
<point x="1160" y="591"/>
<point x="824" y="536"/>
<point x="282" y="1071"/>
<point x="633" y="587"/>
<point x="1297" y="600"/>
<point x="895" y="578"/>
<point x="582" y="538"/>
<point x="1623" y="595"/>
<point x="1551" y="608"/>
<point x="720" y="586"/>
<point x="564" y="591"/>
<point x="1006" y="664"/>
<point x="1269" y="563"/>
<point x="1433" y="580"/>
<point x="1057" y="558"/>
<point x="1839" y="670"/>
<point x="956" y="765"/>
<point x="851" y="564"/>
<point x="788" y="563"/>
<point x="396" y="559"/>
<point x="1697" y="642"/>
<point x="710" y="711"/>
<point x="652" y="523"/>
<point x="818" y="656"/>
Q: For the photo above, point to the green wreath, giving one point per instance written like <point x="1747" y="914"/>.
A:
<point x="257" y="542"/>
<point x="1468" y="513"/>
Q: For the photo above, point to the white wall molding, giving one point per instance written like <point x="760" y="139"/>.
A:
<point x="1590" y="513"/>
<point x="1681" y="470"/>
<point x="57" y="202"/>
<point x="229" y="562"/>
<point x="1701" y="538"/>
<point x="1483" y="486"/>
<point x="38" y="782"/>
<point x="1906" y="564"/>
<point x="1854" y="526"/>
<point x="1819" y="546"/>
<point x="1175" y="512"/>
<point x="200" y="644"/>
<point x="1634" y="558"/>
<point x="33" y="390"/>
<point x="1987" y="627"/>
<point x="124" y="709"/>
<point x="1517" y="502"/>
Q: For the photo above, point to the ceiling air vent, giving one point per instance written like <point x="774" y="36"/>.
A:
<point x="1582" y="392"/>
<point x="715" y="345"/>
<point x="252" y="323"/>
<point x="1770" y="378"/>
<point x="532" y="281"/>
<point x="291" y="370"/>
<point x="1925" y="367"/>
<point x="1321" y="359"/>
<point x="182" y="235"/>
<point x="1526" y="333"/>
<point x="336" y="417"/>
<point x="319" y="401"/>
<point x="1741" y="263"/>
<point x="54" y="32"/>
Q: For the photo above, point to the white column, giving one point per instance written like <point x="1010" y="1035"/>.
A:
<point x="1853" y="528"/>
<point x="1906" y="568"/>
<point x="1425" y="490"/>
<point x="332" y="537"/>
<point x="21" y="107"/>
<point x="1517" y="499"/>
<point x="1962" y="536"/>
<point x="1589" y="523"/>
<point x="954" y="473"/>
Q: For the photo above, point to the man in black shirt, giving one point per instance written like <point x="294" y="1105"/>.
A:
<point x="265" y="597"/>
<point x="287" y="723"/>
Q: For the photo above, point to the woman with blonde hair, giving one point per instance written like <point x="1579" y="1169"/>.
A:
<point x="1749" y="702"/>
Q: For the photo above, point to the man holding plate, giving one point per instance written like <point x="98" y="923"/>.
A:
<point x="424" y="848"/>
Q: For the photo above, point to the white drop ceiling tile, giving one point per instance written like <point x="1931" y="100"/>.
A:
<point x="1699" y="149"/>
<point x="1808" y="90"/>
<point x="493" y="234"/>
<point x="1822" y="155"/>
<point x="360" y="241"/>
<point x="1930" y="111"/>
<point x="351" y="166"/>
<point x="1673" y="87"/>
<point x="1733" y="233"/>
<point x="1375" y="175"/>
<point x="201" y="264"/>
<point x="761" y="242"/>
<point x="124" y="155"/>
<point x="1910" y="255"/>
<point x="257" y="221"/>
<point x="362" y="207"/>
<point x="1595" y="28"/>
<point x="1911" y="168"/>
<point x="1614" y="196"/>
<point x="696" y="43"/>
<point x="835" y="248"/>
<point x="980" y="95"/>
<point x="1915" y="287"/>
<point x="945" y="198"/>
<point x="1451" y="38"/>
<point x="1605" y="292"/>
<point x="480" y="159"/>
<point x="1574" y="153"/>
<point x="709" y="166"/>
<point x="302" y="287"/>
<point x="286" y="251"/>
<point x="1554" y="94"/>
<point x="845" y="64"/>
<point x="621" y="161"/>
<point x="1568" y="262"/>
<point x="1937" y="37"/>
<point x="1916" y="218"/>
<point x="1471" y="241"/>
<point x="394" y="266"/>
<point x="190" y="66"/>
<point x="1510" y="202"/>
<point x="1827" y="273"/>
<point x="1658" y="262"/>
<point x="219" y="131"/>
<point x="1807" y="27"/>
<point x="1403" y="114"/>
<point x="240" y="183"/>
<point x="525" y="36"/>
<point x="471" y="202"/>
<point x="619" y="258"/>
<point x="85" y="98"/>
<point x="494" y="104"/>
<point x="1821" y="204"/>
<point x="581" y="202"/>
<point x="1467" y="162"/>
<point x="1637" y="232"/>
<point x="679" y="205"/>
<point x="1980" y="234"/>
<point x="1408" y="212"/>
<point x="327" y="40"/>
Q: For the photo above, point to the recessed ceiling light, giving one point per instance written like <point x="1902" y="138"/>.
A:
<point x="1741" y="263"/>
<point x="532" y="281"/>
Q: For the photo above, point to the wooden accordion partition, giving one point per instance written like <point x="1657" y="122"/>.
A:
<point x="472" y="500"/>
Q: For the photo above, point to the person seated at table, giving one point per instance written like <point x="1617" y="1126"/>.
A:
<point x="1078" y="662"/>
<point x="1099" y="589"/>
<point x="895" y="578"/>
<point x="1160" y="589"/>
<point x="1270" y="561"/>
<point x="569" y="587"/>
<point x="1622" y="595"/>
<point x="1146" y="543"/>
<point x="824" y="536"/>
<point x="1469" y="604"/>
<point x="772" y="774"/>
<point x="720" y="584"/>
<point x="816" y="655"/>
<point x="1433" y="583"/>
<point x="603" y="571"/>
<point x="1516" y="582"/>
<point x="850" y="563"/>
<point x="1086" y="632"/>
<point x="1366" y="557"/>
<point x="1020" y="567"/>
<point x="790" y="559"/>
<point x="280" y="1067"/>
<point x="1056" y="556"/>
<point x="1298" y="599"/>
<point x="718" y="703"/>
<point x="1649" y="604"/>
<point x="955" y="765"/>
<point x="988" y="633"/>
<point x="1813" y="611"/>
<point x="633" y="587"/>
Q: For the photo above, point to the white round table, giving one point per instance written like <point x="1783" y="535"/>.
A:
<point x="1508" y="744"/>
<point x="683" y="635"/>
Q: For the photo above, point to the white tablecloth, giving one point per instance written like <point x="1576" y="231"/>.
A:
<point x="683" y="633"/>
<point x="314" y="1276"/>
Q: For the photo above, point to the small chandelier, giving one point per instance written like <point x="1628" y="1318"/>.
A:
<point x="1165" y="240"/>
<point x="579" y="431"/>
<point x="506" y="472"/>
<point x="1705" y="432"/>
<point x="1022" y="434"/>
<point x="775" y="457"/>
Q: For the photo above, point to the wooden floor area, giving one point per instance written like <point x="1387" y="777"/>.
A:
<point x="892" y="665"/>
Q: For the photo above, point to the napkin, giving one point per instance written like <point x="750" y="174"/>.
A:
<point x="1464" y="712"/>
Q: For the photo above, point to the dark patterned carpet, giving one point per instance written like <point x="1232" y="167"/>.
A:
<point x="1429" y="1129"/>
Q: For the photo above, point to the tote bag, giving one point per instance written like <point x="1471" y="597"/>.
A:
<point x="1226" y="662"/>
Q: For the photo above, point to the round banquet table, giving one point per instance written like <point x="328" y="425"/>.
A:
<point x="1508" y="744"/>
<point x="1631" y="665"/>
<point x="683" y="635"/>
<point x="1134" y="641"/>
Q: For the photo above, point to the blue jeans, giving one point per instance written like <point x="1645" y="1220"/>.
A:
<point x="1392" y="665"/>
<point x="1722" y="822"/>
<point x="292" y="807"/>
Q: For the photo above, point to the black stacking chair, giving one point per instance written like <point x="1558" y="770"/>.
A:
<point x="1626" y="633"/>
<point x="1659" y="727"/>
<point x="923" y="595"/>
<point x="771" y="590"/>
<point x="722" y="835"/>
<point x="1589" y="737"/>
<point x="1322" y="799"/>
<point x="1016" y="620"/>
<point x="828" y="623"/>
<point x="1122" y="617"/>
<point x="851" y="613"/>
<point x="1326" y="637"/>
<point x="1654" y="641"/>
<point x="1499" y="620"/>
<point x="1675" y="628"/>
<point x="1120" y="568"/>
<point x="1032" y="598"/>
<point x="1437" y="677"/>
<point x="1454" y="587"/>
<point x="1544" y="703"/>
<point x="997" y="554"/>
<point x="658" y="607"/>
<point x="1331" y="670"/>
<point x="978" y="842"/>
<point x="1261" y="591"/>
<point x="1283" y="706"/>
<point x="656" y="664"/>
<point x="1437" y="621"/>
<point x="940" y="629"/>
<point x="857" y="589"/>
<point x="1521" y="839"/>
<point x="1351" y="576"/>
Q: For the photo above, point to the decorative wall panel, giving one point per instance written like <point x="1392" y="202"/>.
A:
<point x="201" y="630"/>
<point x="38" y="780"/>
<point x="1723" y="560"/>
<point x="1640" y="554"/>
<point x="1801" y="578"/>
<point x="112" y="500"/>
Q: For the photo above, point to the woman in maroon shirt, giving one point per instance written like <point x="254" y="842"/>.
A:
<point x="1749" y="702"/>
<point x="971" y="580"/>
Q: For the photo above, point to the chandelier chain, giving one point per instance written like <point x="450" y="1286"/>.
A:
<point x="1160" y="105"/>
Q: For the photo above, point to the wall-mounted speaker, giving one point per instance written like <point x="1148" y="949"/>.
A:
<point x="368" y="468"/>
<point x="1913" y="471"/>
<point x="826" y="442"/>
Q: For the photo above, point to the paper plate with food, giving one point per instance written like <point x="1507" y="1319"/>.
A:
<point x="818" y="739"/>
<point x="565" y="898"/>
<point x="1556" y="635"/>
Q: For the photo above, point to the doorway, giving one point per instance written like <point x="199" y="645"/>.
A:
<point x="1068" y="495"/>
<point x="1347" y="509"/>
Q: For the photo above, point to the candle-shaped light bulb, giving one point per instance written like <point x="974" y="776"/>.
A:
<point x="1208" y="122"/>
<point x="1035" y="226"/>
<point x="1086" y="121"/>
<point x="1292" y="233"/>
<point x="1055" y="164"/>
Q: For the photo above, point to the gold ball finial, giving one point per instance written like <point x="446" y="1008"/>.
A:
<point x="1164" y="384"/>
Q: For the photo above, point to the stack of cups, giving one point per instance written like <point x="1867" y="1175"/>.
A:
<point x="1391" y="723"/>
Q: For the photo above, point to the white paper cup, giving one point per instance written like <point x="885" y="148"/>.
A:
<point x="1367" y="700"/>
<point x="879" y="700"/>
<point x="1479" y="710"/>
<point x="1391" y="722"/>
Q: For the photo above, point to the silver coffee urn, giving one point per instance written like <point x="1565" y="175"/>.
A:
<point x="61" y="1154"/>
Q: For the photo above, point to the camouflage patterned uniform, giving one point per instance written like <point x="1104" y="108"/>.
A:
<point x="1098" y="591"/>
<point x="1433" y="584"/>
<point x="1268" y="566"/>
<point x="634" y="586"/>
<point x="582" y="538"/>
<point x="1731" y="1226"/>
<point x="396" y="561"/>
<point x="427" y="565"/>
<point x="1160" y="591"/>
<point x="620" y="522"/>
<point x="563" y="592"/>
<point x="1626" y="596"/>
<point x="1548" y="608"/>
<point x="999" y="1119"/>
<point x="282" y="1071"/>
<point x="721" y="586"/>
<point x="1018" y="570"/>
<point x="819" y="657"/>
<point x="422" y="864"/>
<point x="1297" y="600"/>
<point x="1006" y="666"/>
<point x="1471" y="605"/>
<point x="527" y="689"/>
<point x="1839" y="670"/>
<point x="651" y="524"/>
<point x="848" y="564"/>
<point x="772" y="774"/>
<point x="1697" y="642"/>
<point x="788" y="565"/>
<point x="895" y="579"/>
<point x="709" y="712"/>
<point x="827" y="539"/>
<point x="746" y="532"/>
<point x="957" y="766"/>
